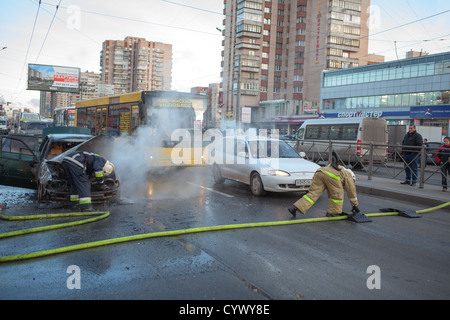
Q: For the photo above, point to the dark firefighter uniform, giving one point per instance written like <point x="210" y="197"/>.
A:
<point x="78" y="167"/>
<point x="334" y="179"/>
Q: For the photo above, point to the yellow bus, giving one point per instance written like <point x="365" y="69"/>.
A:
<point x="154" y="114"/>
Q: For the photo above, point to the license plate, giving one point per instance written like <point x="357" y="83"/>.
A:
<point x="302" y="182"/>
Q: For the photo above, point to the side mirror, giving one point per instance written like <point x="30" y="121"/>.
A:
<point x="302" y="154"/>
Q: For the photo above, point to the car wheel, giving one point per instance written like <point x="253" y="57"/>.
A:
<point x="218" y="178"/>
<point x="256" y="185"/>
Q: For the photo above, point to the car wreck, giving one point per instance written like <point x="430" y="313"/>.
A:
<point x="26" y="163"/>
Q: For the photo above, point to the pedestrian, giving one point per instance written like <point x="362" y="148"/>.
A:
<point x="443" y="158"/>
<point x="410" y="155"/>
<point x="79" y="166"/>
<point x="334" y="179"/>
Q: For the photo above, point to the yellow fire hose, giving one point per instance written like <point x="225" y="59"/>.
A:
<point x="104" y="214"/>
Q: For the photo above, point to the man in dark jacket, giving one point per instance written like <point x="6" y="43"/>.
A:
<point x="411" y="155"/>
<point x="78" y="167"/>
<point x="443" y="158"/>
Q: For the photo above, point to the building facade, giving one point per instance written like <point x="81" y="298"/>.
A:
<point x="406" y="91"/>
<point x="135" y="64"/>
<point x="275" y="50"/>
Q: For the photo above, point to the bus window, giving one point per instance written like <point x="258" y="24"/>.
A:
<point x="118" y="120"/>
<point x="324" y="133"/>
<point x="90" y="119"/>
<point x="81" y="118"/>
<point x="300" y="133"/>
<point x="335" y="132"/>
<point x="312" y="132"/>
<point x="349" y="132"/>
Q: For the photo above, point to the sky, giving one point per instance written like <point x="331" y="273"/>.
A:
<point x="74" y="36"/>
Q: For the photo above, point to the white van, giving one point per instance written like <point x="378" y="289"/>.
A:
<point x="350" y="138"/>
<point x="4" y="125"/>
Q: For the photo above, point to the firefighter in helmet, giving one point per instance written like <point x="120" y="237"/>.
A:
<point x="79" y="166"/>
<point x="334" y="179"/>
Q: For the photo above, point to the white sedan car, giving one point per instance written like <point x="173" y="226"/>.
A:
<point x="264" y="164"/>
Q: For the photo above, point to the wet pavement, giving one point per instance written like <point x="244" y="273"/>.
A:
<point x="313" y="261"/>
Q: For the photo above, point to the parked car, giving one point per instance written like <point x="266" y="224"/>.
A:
<point x="264" y="164"/>
<point x="26" y="163"/>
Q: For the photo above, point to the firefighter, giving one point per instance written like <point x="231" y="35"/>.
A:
<point x="334" y="179"/>
<point x="78" y="167"/>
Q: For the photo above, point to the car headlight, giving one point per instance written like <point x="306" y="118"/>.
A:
<point x="278" y="173"/>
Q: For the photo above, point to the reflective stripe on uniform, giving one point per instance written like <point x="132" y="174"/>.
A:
<point x="331" y="175"/>
<point x="309" y="199"/>
<point x="74" y="198"/>
<point x="336" y="200"/>
<point x="74" y="161"/>
<point x="85" y="200"/>
<point x="99" y="174"/>
<point x="353" y="199"/>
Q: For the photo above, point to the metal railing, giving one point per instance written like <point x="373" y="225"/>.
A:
<point x="382" y="160"/>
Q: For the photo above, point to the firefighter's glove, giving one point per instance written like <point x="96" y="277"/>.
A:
<point x="355" y="209"/>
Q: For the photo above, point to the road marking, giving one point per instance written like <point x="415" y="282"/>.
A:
<point x="212" y="190"/>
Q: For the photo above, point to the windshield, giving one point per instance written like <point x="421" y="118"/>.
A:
<point x="271" y="149"/>
<point x="36" y="126"/>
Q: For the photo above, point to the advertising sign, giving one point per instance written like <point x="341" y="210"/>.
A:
<point x="246" y="115"/>
<point x="53" y="78"/>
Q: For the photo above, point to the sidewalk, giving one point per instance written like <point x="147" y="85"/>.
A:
<point x="430" y="195"/>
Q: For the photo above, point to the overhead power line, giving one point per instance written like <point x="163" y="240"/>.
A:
<point x="29" y="43"/>
<point x="48" y="31"/>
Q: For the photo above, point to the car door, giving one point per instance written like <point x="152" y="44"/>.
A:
<point x="18" y="161"/>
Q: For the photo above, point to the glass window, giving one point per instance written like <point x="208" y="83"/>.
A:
<point x="429" y="71"/>
<point x="407" y="71"/>
<point x="398" y="100"/>
<point x="414" y="70"/>
<point x="81" y="117"/>
<point x="413" y="99"/>
<point x="405" y="99"/>
<point x="384" y="101"/>
<point x="422" y="68"/>
<point x="446" y="67"/>
<point x="379" y="75"/>
<point x="420" y="99"/>
<point x="371" y="102"/>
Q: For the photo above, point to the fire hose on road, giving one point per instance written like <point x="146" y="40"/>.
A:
<point x="99" y="215"/>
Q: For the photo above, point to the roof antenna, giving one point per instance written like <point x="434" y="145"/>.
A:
<point x="395" y="45"/>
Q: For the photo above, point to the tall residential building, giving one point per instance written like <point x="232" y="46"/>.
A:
<point x="274" y="52"/>
<point x="136" y="64"/>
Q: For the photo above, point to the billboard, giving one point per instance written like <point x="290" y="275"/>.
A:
<point x="53" y="78"/>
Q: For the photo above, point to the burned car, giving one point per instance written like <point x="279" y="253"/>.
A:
<point x="24" y="163"/>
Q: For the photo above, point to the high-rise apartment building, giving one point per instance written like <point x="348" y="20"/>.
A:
<point x="274" y="52"/>
<point x="136" y="64"/>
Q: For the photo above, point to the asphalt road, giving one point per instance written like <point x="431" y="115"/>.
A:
<point x="388" y="258"/>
